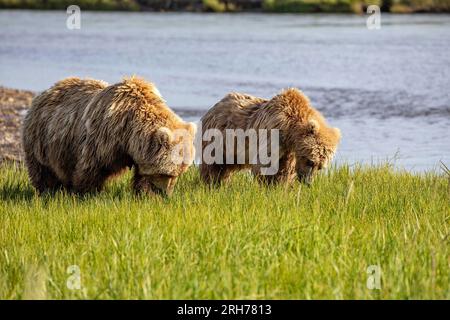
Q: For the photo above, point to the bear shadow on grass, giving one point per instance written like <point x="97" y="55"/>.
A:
<point x="16" y="192"/>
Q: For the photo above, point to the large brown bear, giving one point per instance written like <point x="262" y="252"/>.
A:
<point x="306" y="143"/>
<point x="79" y="133"/>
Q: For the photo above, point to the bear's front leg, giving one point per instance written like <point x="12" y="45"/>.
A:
<point x="285" y="174"/>
<point x="87" y="180"/>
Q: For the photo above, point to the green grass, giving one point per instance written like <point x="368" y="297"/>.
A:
<point x="241" y="241"/>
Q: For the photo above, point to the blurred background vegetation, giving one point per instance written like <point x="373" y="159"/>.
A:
<point x="284" y="6"/>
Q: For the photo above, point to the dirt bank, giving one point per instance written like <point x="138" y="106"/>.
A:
<point x="13" y="106"/>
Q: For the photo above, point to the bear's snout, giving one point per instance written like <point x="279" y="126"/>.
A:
<point x="163" y="184"/>
<point x="306" y="176"/>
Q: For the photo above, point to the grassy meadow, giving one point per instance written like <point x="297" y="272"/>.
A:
<point x="240" y="241"/>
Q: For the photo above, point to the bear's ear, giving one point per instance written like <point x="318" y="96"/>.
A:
<point x="191" y="127"/>
<point x="312" y="126"/>
<point x="337" y="131"/>
<point x="164" y="134"/>
<point x="157" y="93"/>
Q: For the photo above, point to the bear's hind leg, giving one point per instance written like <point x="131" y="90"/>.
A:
<point x="215" y="174"/>
<point x="42" y="177"/>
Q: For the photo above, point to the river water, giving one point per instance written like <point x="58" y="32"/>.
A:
<point x="387" y="89"/>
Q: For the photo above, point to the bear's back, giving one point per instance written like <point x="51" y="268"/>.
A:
<point x="232" y="112"/>
<point x="139" y="100"/>
<point x="66" y="93"/>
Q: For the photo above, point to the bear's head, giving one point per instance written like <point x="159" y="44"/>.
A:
<point x="307" y="134"/>
<point x="315" y="146"/>
<point x="169" y="155"/>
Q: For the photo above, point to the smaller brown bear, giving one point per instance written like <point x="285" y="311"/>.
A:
<point x="79" y="133"/>
<point x="305" y="143"/>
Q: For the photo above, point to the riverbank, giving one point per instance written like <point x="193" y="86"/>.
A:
<point x="274" y="6"/>
<point x="13" y="105"/>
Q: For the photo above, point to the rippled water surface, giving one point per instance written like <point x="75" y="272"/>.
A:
<point x="388" y="89"/>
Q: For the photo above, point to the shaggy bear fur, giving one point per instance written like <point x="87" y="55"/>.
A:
<point x="79" y="133"/>
<point x="306" y="143"/>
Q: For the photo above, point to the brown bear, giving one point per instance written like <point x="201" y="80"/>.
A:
<point x="305" y="142"/>
<point x="79" y="133"/>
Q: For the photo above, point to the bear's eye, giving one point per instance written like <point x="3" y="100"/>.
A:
<point x="309" y="163"/>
